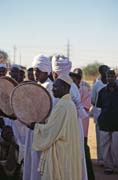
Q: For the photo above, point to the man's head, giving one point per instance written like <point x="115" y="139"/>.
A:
<point x="111" y="76"/>
<point x="3" y="70"/>
<point x="42" y="67"/>
<point x="103" y="69"/>
<point x="14" y="71"/>
<point x="61" y="86"/>
<point x="40" y="75"/>
<point x="30" y="74"/>
<point x="21" y="76"/>
<point x="60" y="66"/>
<point x="76" y="75"/>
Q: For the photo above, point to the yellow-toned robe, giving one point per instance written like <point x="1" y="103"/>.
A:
<point x="59" y="142"/>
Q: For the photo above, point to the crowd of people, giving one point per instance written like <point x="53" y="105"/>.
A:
<point x="58" y="149"/>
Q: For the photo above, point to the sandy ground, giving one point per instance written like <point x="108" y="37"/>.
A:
<point x="99" y="170"/>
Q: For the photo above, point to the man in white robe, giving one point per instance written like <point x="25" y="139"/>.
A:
<point x="85" y="94"/>
<point x="59" y="138"/>
<point x="42" y="68"/>
<point x="62" y="66"/>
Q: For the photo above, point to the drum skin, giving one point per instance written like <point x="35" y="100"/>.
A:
<point x="31" y="102"/>
<point x="7" y="84"/>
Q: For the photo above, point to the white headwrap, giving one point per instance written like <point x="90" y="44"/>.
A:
<point x="3" y="66"/>
<point x="66" y="78"/>
<point x="61" y="65"/>
<point x="42" y="62"/>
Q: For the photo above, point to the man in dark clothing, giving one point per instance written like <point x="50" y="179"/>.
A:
<point x="108" y="121"/>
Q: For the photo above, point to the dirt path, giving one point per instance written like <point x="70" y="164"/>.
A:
<point x="99" y="170"/>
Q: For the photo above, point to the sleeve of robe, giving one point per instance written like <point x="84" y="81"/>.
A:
<point x="77" y="101"/>
<point x="46" y="134"/>
<point x="85" y="94"/>
<point x="94" y="94"/>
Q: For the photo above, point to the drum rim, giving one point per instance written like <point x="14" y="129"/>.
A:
<point x="13" y="81"/>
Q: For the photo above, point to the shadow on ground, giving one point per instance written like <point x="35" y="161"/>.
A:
<point x="99" y="173"/>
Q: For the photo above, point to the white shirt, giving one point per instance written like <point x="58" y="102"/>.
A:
<point x="97" y="86"/>
<point x="77" y="100"/>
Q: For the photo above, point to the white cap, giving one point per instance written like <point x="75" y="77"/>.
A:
<point x="66" y="78"/>
<point x="3" y="66"/>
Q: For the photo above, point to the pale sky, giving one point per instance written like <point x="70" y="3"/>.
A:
<point x="43" y="26"/>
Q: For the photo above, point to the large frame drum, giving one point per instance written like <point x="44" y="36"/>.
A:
<point x="7" y="84"/>
<point x="31" y="102"/>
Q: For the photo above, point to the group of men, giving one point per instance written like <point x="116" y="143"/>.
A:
<point x="61" y="67"/>
<point x="58" y="148"/>
<point x="55" y="150"/>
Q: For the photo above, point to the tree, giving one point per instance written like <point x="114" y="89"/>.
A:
<point x="3" y="57"/>
<point x="91" y="70"/>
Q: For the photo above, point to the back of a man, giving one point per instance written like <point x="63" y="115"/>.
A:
<point x="41" y="67"/>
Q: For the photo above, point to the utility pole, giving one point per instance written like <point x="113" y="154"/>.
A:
<point x="14" y="54"/>
<point x="68" y="49"/>
<point x="20" y="58"/>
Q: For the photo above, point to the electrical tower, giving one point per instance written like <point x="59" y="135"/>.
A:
<point x="14" y="54"/>
<point x="20" y="58"/>
<point x="68" y="49"/>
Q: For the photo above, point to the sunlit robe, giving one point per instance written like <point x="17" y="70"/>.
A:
<point x="85" y="95"/>
<point x="59" y="141"/>
<point x="82" y="114"/>
<point x="31" y="157"/>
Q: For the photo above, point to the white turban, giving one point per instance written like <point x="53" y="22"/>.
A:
<point x="66" y="78"/>
<point x="42" y="63"/>
<point x="61" y="65"/>
<point x="3" y="66"/>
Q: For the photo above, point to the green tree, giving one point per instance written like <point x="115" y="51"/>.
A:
<point x="91" y="70"/>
